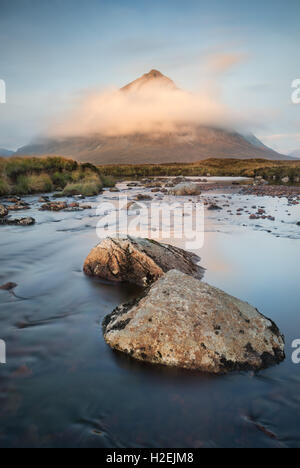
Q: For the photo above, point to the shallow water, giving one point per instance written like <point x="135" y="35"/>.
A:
<point x="63" y="387"/>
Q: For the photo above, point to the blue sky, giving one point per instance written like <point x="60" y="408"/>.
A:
<point x="51" y="50"/>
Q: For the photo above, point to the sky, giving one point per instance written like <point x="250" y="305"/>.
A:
<point x="53" y="51"/>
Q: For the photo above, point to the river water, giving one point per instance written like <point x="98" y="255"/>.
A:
<point x="63" y="387"/>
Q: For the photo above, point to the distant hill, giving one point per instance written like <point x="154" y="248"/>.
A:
<point x="295" y="154"/>
<point x="5" y="153"/>
<point x="185" y="145"/>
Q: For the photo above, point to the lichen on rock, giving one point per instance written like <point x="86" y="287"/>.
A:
<point x="138" y="261"/>
<point x="183" y="322"/>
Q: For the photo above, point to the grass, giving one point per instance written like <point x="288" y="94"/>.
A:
<point x="88" y="189"/>
<point x="273" y="171"/>
<point x="28" y="175"/>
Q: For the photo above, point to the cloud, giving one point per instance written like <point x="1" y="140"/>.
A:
<point x="222" y="62"/>
<point x="152" y="109"/>
<point x="282" y="136"/>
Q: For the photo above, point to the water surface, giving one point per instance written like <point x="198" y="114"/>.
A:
<point x="63" y="387"/>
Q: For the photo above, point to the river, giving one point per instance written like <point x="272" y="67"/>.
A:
<point x="63" y="387"/>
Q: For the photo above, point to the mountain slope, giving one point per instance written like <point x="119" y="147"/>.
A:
<point x="5" y="153"/>
<point x="188" y="143"/>
<point x="295" y="154"/>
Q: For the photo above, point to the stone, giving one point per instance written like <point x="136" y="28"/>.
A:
<point x="17" y="222"/>
<point x="142" y="197"/>
<point x="3" y="211"/>
<point x="18" y="207"/>
<point x="183" y="322"/>
<point x="214" y="207"/>
<point x="54" y="206"/>
<point x="138" y="261"/>
<point x="8" y="286"/>
<point x="186" y="189"/>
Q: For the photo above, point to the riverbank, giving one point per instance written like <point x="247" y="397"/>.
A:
<point x="28" y="175"/>
<point x="272" y="171"/>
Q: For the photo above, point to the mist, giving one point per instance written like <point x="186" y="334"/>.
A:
<point x="153" y="107"/>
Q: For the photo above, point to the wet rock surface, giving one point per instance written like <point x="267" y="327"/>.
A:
<point x="182" y="322"/>
<point x="3" y="211"/>
<point x="64" y="206"/>
<point x="8" y="286"/>
<point x="272" y="190"/>
<point x="186" y="189"/>
<point x="17" y="222"/>
<point x="138" y="261"/>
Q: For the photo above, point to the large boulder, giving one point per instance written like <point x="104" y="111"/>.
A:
<point x="186" y="189"/>
<point x="183" y="322"/>
<point x="138" y="261"/>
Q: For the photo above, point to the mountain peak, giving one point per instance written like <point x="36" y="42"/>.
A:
<point x="153" y="76"/>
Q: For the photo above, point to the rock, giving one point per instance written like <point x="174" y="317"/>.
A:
<point x="8" y="286"/>
<point x="114" y="190"/>
<point x="3" y="211"/>
<point x="138" y="261"/>
<point x="182" y="322"/>
<point x="214" y="207"/>
<point x="298" y="224"/>
<point x="18" y="222"/>
<point x="43" y="200"/>
<point x="131" y="205"/>
<point x="13" y="199"/>
<point x="141" y="197"/>
<point x="285" y="180"/>
<point x="54" y="206"/>
<point x="186" y="189"/>
<point x="18" y="207"/>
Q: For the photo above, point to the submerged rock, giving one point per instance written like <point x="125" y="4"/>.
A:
<point x="17" y="222"/>
<point x="138" y="261"/>
<point x="182" y="322"/>
<point x="186" y="189"/>
<point x="19" y="207"/>
<point x="214" y="207"/>
<point x="54" y="206"/>
<point x="8" y="286"/>
<point x="143" y="197"/>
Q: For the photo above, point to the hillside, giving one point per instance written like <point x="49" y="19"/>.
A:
<point x="188" y="143"/>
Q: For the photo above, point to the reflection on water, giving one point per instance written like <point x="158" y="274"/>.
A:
<point x="63" y="387"/>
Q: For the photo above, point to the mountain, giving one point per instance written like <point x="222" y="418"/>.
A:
<point x="6" y="153"/>
<point x="154" y="76"/>
<point x="295" y="154"/>
<point x="188" y="143"/>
